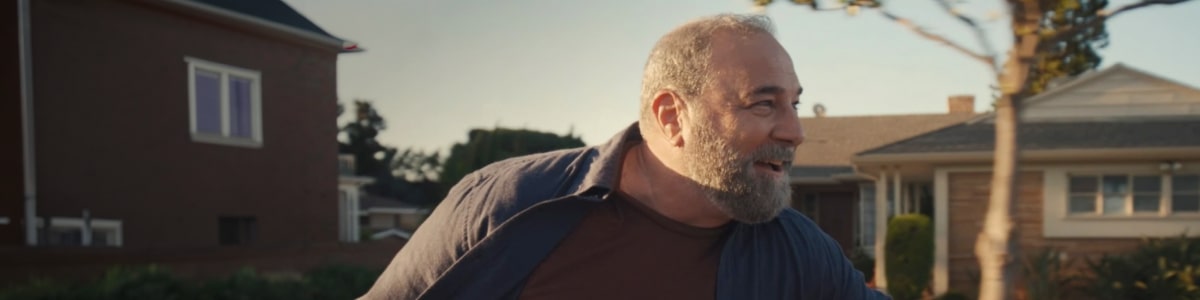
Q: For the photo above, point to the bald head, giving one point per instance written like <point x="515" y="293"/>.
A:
<point x="680" y="60"/>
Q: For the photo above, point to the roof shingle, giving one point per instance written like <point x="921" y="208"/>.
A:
<point x="270" y="10"/>
<point x="1048" y="136"/>
<point x="832" y="141"/>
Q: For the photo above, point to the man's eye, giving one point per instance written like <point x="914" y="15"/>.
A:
<point x="796" y="105"/>
<point x="763" y="107"/>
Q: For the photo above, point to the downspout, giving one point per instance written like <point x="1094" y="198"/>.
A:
<point x="23" y="32"/>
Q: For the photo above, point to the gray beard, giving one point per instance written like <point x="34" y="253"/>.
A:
<point x="729" y="180"/>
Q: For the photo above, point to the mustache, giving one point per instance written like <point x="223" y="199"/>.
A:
<point x="774" y="152"/>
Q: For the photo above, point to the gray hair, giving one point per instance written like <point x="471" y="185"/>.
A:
<point x="679" y="61"/>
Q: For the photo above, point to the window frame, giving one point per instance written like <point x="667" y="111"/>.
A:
<point x="865" y="231"/>
<point x="111" y="228"/>
<point x="225" y="137"/>
<point x="1165" y="203"/>
<point x="243" y="227"/>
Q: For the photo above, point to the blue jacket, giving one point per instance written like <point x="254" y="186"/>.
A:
<point x="497" y="224"/>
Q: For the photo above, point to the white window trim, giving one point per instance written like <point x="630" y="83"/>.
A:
<point x="224" y="138"/>
<point x="1057" y="222"/>
<point x="112" y="227"/>
<point x="1163" y="196"/>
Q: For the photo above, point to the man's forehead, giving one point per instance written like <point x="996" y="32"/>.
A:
<point x="749" y="66"/>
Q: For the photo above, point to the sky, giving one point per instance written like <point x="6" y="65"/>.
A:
<point x="437" y="69"/>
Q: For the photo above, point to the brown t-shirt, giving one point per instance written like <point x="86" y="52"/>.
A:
<point x="625" y="250"/>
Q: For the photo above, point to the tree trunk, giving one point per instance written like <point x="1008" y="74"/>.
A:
<point x="996" y="246"/>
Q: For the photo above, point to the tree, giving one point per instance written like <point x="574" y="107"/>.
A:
<point x="409" y="175"/>
<point x="1051" y="39"/>
<point x="484" y="147"/>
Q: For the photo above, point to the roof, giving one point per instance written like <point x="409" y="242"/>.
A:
<point x="1053" y="136"/>
<point x="832" y="141"/>
<point x="1151" y="92"/>
<point x="270" y="10"/>
<point x="270" y="15"/>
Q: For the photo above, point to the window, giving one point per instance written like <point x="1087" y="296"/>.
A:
<point x="866" y="219"/>
<point x="225" y="103"/>
<point x="1133" y="194"/>
<point x="237" y="230"/>
<point x="1185" y="193"/>
<point x="71" y="232"/>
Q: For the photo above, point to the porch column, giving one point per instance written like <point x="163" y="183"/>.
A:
<point x="897" y="193"/>
<point x="881" y="217"/>
<point x="941" y="232"/>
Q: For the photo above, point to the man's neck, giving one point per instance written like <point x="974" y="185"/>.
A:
<point x="645" y="177"/>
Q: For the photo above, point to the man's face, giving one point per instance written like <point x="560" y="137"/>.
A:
<point x="740" y="141"/>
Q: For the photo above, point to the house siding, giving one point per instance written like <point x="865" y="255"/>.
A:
<point x="113" y="131"/>
<point x="12" y="188"/>
<point x="968" y="197"/>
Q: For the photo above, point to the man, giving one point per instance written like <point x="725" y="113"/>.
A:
<point x="690" y="202"/>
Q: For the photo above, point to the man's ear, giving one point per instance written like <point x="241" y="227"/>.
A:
<point x="668" y="107"/>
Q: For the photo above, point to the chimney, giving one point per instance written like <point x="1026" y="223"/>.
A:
<point x="962" y="104"/>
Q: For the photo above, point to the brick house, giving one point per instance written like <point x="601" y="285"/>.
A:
<point x="168" y="126"/>
<point x="1107" y="159"/>
<point x="826" y="187"/>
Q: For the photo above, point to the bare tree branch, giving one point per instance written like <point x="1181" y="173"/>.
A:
<point x="980" y="35"/>
<point x="987" y="59"/>
<point x="1103" y="16"/>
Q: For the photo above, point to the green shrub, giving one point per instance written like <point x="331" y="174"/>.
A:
<point x="864" y="263"/>
<point x="952" y="296"/>
<point x="136" y="283"/>
<point x="246" y="284"/>
<point x="1167" y="268"/>
<point x="1043" y="274"/>
<point x="41" y="289"/>
<point x="341" y="281"/>
<point x="152" y="282"/>
<point x="909" y="256"/>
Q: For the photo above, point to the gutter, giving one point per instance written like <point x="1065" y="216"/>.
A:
<point x="27" y="140"/>
<point x="1032" y="155"/>
<point x="343" y="45"/>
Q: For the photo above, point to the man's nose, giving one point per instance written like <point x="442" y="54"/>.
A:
<point x="789" y="131"/>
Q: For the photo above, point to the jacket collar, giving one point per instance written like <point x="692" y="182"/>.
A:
<point x="605" y="170"/>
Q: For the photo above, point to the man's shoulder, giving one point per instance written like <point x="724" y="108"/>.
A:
<point x="542" y="167"/>
<point x="794" y="219"/>
<point x="508" y="186"/>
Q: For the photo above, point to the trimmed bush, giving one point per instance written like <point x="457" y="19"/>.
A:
<point x="1167" y="268"/>
<point x="909" y="256"/>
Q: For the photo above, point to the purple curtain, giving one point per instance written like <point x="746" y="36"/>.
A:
<point x="208" y="102"/>
<point x="240" y="122"/>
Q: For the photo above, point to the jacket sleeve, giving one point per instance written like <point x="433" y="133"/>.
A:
<point x="453" y="228"/>
<point x="847" y="282"/>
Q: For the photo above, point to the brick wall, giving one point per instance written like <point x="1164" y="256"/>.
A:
<point x="113" y="136"/>
<point x="968" y="197"/>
